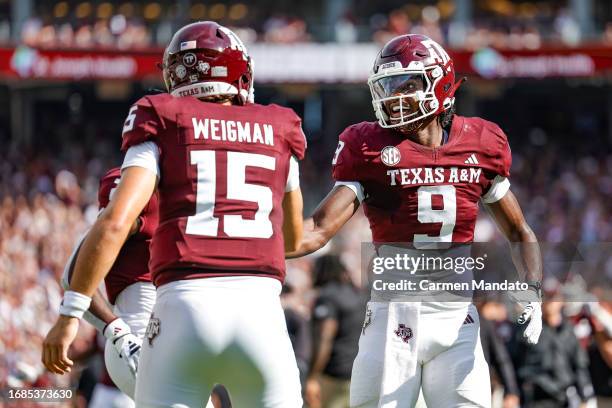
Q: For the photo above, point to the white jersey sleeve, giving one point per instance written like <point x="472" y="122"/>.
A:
<point x="145" y="155"/>
<point x="497" y="191"/>
<point x="293" y="179"/>
<point x="353" y="185"/>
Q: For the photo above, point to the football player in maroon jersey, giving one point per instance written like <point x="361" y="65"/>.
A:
<point x="132" y="295"/>
<point x="420" y="172"/>
<point x="227" y="176"/>
<point x="129" y="290"/>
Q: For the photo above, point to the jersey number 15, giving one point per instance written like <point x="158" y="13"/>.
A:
<point x="204" y="222"/>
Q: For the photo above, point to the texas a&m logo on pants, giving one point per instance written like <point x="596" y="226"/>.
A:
<point x="152" y="329"/>
<point x="403" y="332"/>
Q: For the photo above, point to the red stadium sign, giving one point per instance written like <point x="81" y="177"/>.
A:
<point x="565" y="62"/>
<point x="30" y="63"/>
<point x="293" y="64"/>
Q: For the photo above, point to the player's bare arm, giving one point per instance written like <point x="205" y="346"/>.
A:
<point x="526" y="257"/>
<point x="293" y="224"/>
<point x="96" y="257"/>
<point x="99" y="307"/>
<point x="331" y="214"/>
<point x="112" y="228"/>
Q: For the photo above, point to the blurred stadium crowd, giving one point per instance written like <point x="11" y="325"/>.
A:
<point x="139" y="25"/>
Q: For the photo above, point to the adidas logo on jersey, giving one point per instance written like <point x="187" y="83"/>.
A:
<point x="472" y="159"/>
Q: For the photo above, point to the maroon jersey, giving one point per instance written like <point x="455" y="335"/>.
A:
<point x="132" y="262"/>
<point x="223" y="172"/>
<point x="414" y="193"/>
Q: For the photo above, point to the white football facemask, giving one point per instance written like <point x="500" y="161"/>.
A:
<point x="386" y="89"/>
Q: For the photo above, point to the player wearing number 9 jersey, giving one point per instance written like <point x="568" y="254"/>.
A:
<point x="420" y="172"/>
<point x="227" y="178"/>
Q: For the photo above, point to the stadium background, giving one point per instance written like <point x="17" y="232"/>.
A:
<point x="69" y="71"/>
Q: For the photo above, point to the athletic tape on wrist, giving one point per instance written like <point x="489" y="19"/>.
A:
<point x="74" y="304"/>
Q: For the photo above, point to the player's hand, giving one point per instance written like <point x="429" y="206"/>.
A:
<point x="312" y="393"/>
<point x="56" y="344"/>
<point x="532" y="315"/>
<point x="511" y="401"/>
<point x="125" y="343"/>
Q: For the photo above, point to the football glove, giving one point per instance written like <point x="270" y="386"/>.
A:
<point x="532" y="315"/>
<point x="125" y="343"/>
<point x="531" y="302"/>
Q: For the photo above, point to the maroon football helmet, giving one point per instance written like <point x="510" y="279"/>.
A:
<point x="207" y="60"/>
<point x="413" y="78"/>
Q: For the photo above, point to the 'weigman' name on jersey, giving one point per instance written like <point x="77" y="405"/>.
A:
<point x="428" y="175"/>
<point x="229" y="160"/>
<point x="233" y="131"/>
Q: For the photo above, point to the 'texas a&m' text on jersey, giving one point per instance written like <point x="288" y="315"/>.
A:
<point x="413" y="193"/>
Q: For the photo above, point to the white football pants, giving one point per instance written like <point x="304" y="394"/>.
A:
<point x="442" y="347"/>
<point x="228" y="330"/>
<point x="109" y="397"/>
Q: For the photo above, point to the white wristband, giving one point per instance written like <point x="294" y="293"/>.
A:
<point x="75" y="304"/>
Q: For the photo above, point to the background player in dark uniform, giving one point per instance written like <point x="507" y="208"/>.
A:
<point x="420" y="172"/>
<point x="230" y="205"/>
<point x="337" y="318"/>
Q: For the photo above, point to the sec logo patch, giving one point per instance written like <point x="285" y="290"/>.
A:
<point x="390" y="155"/>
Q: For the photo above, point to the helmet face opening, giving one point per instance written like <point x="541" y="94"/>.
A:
<point x="399" y="95"/>
<point x="403" y="98"/>
<point x="412" y="81"/>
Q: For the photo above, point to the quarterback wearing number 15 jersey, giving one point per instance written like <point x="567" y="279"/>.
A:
<point x="229" y="206"/>
<point x="223" y="175"/>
